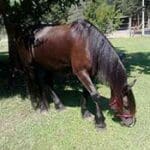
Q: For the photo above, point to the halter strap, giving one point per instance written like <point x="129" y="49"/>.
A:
<point x="124" y="115"/>
<point x="115" y="103"/>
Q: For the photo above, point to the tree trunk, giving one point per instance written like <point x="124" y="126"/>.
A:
<point x="14" y="64"/>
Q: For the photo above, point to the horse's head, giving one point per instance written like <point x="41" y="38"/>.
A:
<point x="124" y="105"/>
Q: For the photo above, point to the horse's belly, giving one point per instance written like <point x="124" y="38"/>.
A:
<point x="58" y="64"/>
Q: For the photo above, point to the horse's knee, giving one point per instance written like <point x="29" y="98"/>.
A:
<point x="96" y="97"/>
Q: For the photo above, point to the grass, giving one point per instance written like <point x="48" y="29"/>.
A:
<point x="23" y="128"/>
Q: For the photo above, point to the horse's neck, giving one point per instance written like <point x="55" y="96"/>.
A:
<point x="119" y="79"/>
<point x="110" y="70"/>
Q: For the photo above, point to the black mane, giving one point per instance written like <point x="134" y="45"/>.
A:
<point x="106" y="62"/>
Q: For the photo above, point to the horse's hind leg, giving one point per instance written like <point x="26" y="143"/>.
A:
<point x="32" y="87"/>
<point x="43" y="102"/>
<point x="84" y="78"/>
<point x="84" y="102"/>
<point x="57" y="102"/>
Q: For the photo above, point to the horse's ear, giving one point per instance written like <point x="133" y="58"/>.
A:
<point x="129" y="86"/>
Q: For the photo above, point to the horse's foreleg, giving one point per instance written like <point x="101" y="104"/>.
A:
<point x="84" y="110"/>
<point x="84" y="78"/>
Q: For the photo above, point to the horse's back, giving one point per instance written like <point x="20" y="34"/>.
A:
<point x="57" y="48"/>
<point x="53" y="47"/>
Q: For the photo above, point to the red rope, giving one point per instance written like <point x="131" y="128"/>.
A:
<point x="124" y="115"/>
<point x="116" y="104"/>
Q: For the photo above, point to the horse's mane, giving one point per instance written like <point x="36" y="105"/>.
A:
<point x="106" y="63"/>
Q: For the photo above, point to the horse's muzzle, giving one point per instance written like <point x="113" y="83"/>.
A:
<point x="129" y="122"/>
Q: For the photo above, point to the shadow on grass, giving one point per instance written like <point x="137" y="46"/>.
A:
<point x="3" y="56"/>
<point x="5" y="91"/>
<point x="72" y="98"/>
<point x="138" y="61"/>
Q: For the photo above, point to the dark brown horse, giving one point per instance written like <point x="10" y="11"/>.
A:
<point x="83" y="50"/>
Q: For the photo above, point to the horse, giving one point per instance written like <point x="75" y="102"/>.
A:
<point x="78" y="48"/>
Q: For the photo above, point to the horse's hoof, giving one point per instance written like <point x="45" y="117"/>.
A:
<point x="44" y="112"/>
<point x="100" y="130"/>
<point x="100" y="126"/>
<point x="87" y="115"/>
<point x="60" y="107"/>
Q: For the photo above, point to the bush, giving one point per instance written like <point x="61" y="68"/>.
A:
<point x="103" y="15"/>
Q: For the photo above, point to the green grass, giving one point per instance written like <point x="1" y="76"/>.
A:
<point x="21" y="128"/>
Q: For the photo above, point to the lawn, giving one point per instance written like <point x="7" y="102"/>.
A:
<point x="21" y="128"/>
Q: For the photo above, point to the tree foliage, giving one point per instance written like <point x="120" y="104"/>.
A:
<point x="28" y="12"/>
<point x="128" y="7"/>
<point x="103" y="15"/>
<point x="21" y="14"/>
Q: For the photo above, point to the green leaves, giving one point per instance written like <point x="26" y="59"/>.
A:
<point x="14" y="2"/>
<point x="29" y="12"/>
<point x="103" y="15"/>
<point x="128" y="7"/>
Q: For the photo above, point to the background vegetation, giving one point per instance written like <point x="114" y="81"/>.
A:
<point x="104" y="15"/>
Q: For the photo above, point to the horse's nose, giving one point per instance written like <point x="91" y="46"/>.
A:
<point x="129" y="122"/>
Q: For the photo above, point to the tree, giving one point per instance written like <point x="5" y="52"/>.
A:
<point x="20" y="14"/>
<point x="127" y="7"/>
<point x="103" y="14"/>
<point x="132" y="8"/>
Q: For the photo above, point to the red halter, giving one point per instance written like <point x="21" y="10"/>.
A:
<point x="124" y="115"/>
<point x="116" y="105"/>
